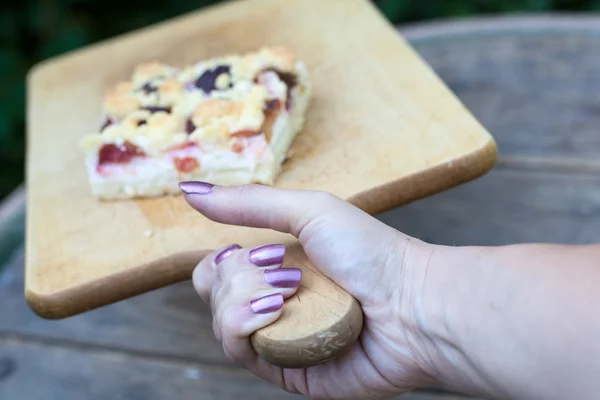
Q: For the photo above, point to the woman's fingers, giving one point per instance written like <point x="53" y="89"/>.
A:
<point x="267" y="256"/>
<point x="244" y="315"/>
<point x="205" y="274"/>
<point x="246" y="289"/>
<point x="250" y="299"/>
<point x="213" y="269"/>
<point x="250" y="279"/>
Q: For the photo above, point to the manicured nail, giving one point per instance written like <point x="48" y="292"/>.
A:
<point x="267" y="304"/>
<point x="191" y="187"/>
<point x="268" y="255"/>
<point x="283" y="277"/>
<point x="226" y="253"/>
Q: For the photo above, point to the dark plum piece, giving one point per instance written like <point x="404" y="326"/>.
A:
<point x="154" y="109"/>
<point x="189" y="126"/>
<point x="207" y="81"/>
<point x="149" y="88"/>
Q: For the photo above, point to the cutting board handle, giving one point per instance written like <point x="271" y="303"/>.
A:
<point x="320" y="322"/>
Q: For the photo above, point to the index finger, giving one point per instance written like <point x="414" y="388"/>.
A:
<point x="205" y="274"/>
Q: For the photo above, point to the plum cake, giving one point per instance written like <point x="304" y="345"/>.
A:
<point x="227" y="120"/>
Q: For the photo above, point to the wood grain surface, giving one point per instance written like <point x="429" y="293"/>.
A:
<point x="404" y="137"/>
<point x="537" y="193"/>
<point x="102" y="375"/>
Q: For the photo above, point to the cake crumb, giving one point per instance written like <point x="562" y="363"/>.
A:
<point x="148" y="233"/>
<point x="222" y="81"/>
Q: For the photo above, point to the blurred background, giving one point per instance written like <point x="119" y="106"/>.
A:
<point x="33" y="30"/>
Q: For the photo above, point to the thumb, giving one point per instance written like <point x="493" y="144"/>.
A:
<point x="257" y="206"/>
<point x="341" y="240"/>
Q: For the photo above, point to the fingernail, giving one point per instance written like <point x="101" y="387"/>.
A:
<point x="226" y="253"/>
<point x="268" y="255"/>
<point x="267" y="304"/>
<point x="191" y="187"/>
<point x="283" y="277"/>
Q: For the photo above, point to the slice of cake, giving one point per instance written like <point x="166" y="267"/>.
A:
<point x="227" y="120"/>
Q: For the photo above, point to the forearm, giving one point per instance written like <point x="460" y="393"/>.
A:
<point x="516" y="321"/>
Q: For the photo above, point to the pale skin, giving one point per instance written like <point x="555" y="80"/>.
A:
<point x="511" y="322"/>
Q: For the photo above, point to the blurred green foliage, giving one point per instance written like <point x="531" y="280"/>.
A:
<point x="33" y="30"/>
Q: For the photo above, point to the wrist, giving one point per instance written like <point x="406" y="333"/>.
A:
<point x="442" y="312"/>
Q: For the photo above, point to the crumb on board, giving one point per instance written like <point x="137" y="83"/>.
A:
<point x="148" y="233"/>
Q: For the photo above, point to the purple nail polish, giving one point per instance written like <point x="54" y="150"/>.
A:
<point x="226" y="253"/>
<point x="283" y="277"/>
<point x="268" y="255"/>
<point x="267" y="304"/>
<point x="191" y="187"/>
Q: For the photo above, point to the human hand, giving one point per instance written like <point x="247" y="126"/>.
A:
<point x="382" y="268"/>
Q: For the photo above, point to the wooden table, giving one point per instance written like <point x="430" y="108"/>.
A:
<point x="532" y="82"/>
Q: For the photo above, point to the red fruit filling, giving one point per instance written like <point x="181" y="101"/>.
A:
<point x="237" y="146"/>
<point x="118" y="154"/>
<point x="186" y="164"/>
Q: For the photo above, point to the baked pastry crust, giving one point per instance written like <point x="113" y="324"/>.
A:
<point x="227" y="120"/>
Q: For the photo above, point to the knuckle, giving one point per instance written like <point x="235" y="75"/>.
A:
<point x="236" y="208"/>
<point x="323" y="203"/>
<point x="325" y="198"/>
<point x="239" y="215"/>
<point x="244" y="190"/>
<point x="201" y="288"/>
<point x="200" y="280"/>
<point x="231" y="266"/>
<point x="229" y="322"/>
<point x="240" y="281"/>
<point x="229" y="326"/>
<point x="241" y="189"/>
<point x="322" y="209"/>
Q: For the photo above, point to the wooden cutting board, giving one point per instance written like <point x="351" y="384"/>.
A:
<point x="382" y="130"/>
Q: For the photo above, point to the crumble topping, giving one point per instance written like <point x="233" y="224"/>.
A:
<point x="220" y="100"/>
<point x="152" y="72"/>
